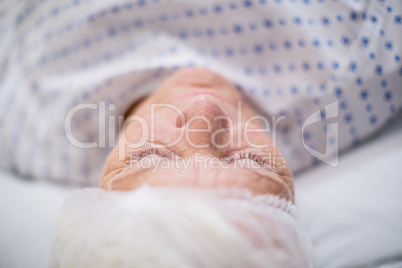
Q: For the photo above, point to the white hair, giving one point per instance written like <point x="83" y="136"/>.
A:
<point x="178" y="227"/>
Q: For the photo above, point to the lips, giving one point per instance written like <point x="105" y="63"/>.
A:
<point x="198" y="77"/>
<point x="193" y="94"/>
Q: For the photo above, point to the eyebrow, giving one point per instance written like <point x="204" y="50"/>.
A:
<point x="126" y="174"/>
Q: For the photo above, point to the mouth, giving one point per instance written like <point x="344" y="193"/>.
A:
<point x="198" y="77"/>
<point x="197" y="93"/>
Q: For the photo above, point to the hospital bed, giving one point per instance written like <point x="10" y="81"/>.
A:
<point x="353" y="213"/>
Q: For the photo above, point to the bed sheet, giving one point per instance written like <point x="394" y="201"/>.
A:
<point x="353" y="213"/>
<point x="28" y="212"/>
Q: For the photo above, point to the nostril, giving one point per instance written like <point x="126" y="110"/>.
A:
<point x="180" y="121"/>
<point x="223" y="121"/>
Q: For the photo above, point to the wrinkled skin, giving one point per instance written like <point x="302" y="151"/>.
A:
<point x="198" y="92"/>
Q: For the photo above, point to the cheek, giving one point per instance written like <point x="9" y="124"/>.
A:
<point x="164" y="113"/>
<point x="256" y="140"/>
<point x="135" y="131"/>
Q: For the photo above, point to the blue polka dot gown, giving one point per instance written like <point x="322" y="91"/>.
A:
<point x="290" y="58"/>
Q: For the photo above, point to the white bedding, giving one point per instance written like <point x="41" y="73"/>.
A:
<point x="351" y="212"/>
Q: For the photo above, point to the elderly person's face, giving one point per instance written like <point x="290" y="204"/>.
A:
<point x="217" y="149"/>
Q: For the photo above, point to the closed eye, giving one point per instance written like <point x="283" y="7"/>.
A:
<point x="263" y="160"/>
<point x="136" y="155"/>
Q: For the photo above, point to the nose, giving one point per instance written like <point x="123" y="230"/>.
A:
<point x="204" y="116"/>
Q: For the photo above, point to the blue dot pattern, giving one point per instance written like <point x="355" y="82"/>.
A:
<point x="290" y="57"/>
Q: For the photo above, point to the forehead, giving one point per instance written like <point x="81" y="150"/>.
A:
<point x="204" y="176"/>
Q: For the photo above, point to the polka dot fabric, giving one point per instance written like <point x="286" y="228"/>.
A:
<point x="290" y="58"/>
